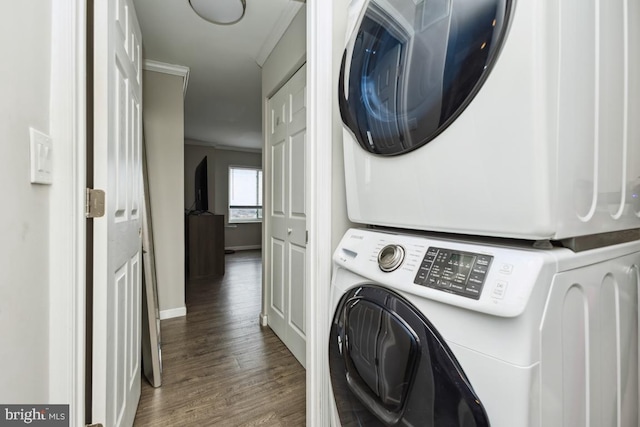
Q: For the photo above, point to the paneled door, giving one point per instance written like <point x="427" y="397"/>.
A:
<point x="286" y="284"/>
<point x="117" y="235"/>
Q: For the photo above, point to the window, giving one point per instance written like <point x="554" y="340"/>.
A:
<point x="245" y="194"/>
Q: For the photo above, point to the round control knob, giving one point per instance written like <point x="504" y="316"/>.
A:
<point x="390" y="257"/>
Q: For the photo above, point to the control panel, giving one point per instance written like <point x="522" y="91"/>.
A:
<point x="457" y="272"/>
<point x="480" y="276"/>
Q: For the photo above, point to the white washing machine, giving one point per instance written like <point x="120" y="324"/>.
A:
<point x="493" y="117"/>
<point x="430" y="331"/>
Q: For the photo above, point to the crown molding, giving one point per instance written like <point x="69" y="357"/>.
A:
<point x="189" y="141"/>
<point x="173" y="69"/>
<point x="242" y="149"/>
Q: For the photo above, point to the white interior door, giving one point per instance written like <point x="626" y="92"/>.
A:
<point x="117" y="241"/>
<point x="286" y="284"/>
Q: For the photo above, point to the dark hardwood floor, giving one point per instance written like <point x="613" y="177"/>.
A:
<point x="220" y="366"/>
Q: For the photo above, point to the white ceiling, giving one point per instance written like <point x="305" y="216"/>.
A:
<point x="223" y="99"/>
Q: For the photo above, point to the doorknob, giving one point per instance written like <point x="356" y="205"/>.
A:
<point x="289" y="230"/>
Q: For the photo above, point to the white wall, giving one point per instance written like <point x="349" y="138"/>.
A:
<point x="288" y="55"/>
<point x="163" y="112"/>
<point x="24" y="217"/>
<point x="237" y="236"/>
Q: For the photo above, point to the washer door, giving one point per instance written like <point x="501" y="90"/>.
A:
<point x="412" y="66"/>
<point x="390" y="367"/>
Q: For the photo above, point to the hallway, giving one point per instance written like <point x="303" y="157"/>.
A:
<point x="220" y="366"/>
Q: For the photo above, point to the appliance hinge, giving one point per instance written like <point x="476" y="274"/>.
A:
<point x="93" y="425"/>
<point x="94" y="203"/>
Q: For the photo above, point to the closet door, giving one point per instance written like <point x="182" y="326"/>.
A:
<point x="286" y="284"/>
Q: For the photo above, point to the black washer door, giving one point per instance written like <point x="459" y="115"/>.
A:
<point x="414" y="66"/>
<point x="390" y="367"/>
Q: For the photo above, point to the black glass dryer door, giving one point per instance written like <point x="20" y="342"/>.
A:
<point x="412" y="67"/>
<point x="390" y="367"/>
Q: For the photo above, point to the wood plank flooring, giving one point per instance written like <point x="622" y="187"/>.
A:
<point x="221" y="368"/>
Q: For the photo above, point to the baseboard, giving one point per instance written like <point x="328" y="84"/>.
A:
<point x="263" y="320"/>
<point x="243" y="248"/>
<point x="173" y="312"/>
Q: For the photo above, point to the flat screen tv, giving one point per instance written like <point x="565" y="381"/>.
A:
<point x="201" y="190"/>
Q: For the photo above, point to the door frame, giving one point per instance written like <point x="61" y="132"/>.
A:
<point x="67" y="236"/>
<point x="320" y="109"/>
<point x="67" y="239"/>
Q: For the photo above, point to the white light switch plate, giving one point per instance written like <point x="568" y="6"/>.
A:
<point x="41" y="164"/>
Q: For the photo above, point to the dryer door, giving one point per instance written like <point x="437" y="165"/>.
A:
<point x="412" y="66"/>
<point x="390" y="367"/>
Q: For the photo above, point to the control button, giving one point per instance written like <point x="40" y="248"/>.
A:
<point x="506" y="268"/>
<point x="500" y="289"/>
<point x="474" y="285"/>
<point x="390" y="257"/>
<point x="479" y="269"/>
<point x="457" y="287"/>
<point x="443" y="283"/>
<point x="482" y="262"/>
<point x="475" y="281"/>
<point x="472" y="290"/>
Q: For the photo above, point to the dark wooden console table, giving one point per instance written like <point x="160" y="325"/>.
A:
<point x="205" y="245"/>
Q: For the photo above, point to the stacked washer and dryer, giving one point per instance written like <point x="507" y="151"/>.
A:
<point x="492" y="154"/>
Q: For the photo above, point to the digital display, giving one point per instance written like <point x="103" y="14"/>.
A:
<point x="460" y="259"/>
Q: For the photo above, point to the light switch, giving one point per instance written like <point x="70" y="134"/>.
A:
<point x="41" y="164"/>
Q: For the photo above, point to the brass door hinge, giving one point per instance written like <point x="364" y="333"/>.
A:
<point x="94" y="205"/>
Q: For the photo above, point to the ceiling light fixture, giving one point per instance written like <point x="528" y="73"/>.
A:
<point x="222" y="12"/>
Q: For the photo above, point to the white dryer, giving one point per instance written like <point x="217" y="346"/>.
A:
<point x="493" y="117"/>
<point x="437" y="332"/>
